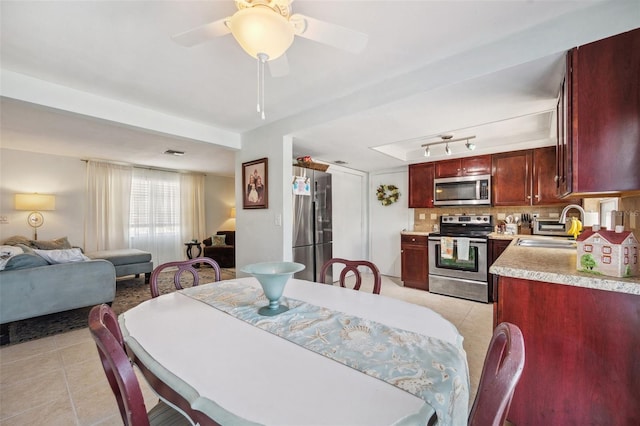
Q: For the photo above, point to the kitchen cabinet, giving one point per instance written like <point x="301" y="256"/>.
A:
<point x="421" y="185"/>
<point x="415" y="261"/>
<point x="524" y="178"/>
<point x="601" y="151"/>
<point x="469" y="166"/>
<point x="581" y="345"/>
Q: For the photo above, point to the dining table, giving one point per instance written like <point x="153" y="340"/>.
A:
<point x="337" y="357"/>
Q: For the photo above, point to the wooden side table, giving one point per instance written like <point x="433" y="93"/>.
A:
<point x="190" y="246"/>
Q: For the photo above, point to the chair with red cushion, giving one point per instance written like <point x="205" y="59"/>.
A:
<point x="500" y="374"/>
<point x="106" y="332"/>
<point x="352" y="266"/>
<point x="182" y="266"/>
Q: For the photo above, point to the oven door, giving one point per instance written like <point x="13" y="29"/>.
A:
<point x="474" y="268"/>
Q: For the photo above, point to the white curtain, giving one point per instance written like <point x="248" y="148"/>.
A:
<point x="108" y="198"/>
<point x="192" y="207"/>
<point x="155" y="215"/>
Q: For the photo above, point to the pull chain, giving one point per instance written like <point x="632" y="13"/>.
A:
<point x="262" y="59"/>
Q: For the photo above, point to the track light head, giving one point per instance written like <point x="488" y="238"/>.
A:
<point x="447" y="150"/>
<point x="427" y="152"/>
<point x="470" y="145"/>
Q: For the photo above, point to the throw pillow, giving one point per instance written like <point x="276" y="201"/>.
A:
<point x="17" y="239"/>
<point x="6" y="253"/>
<point x="58" y="244"/>
<point x="218" y="240"/>
<point x="26" y="248"/>
<point x="25" y="260"/>
<point x="62" y="256"/>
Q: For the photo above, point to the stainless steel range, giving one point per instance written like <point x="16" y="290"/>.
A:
<point x="458" y="257"/>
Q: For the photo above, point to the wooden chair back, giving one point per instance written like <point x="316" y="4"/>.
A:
<point x="182" y="266"/>
<point x="500" y="374"/>
<point x="352" y="266"/>
<point x="105" y="330"/>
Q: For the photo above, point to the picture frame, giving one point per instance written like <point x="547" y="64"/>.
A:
<point x="255" y="184"/>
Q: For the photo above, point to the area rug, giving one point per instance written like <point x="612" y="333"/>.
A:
<point x="130" y="292"/>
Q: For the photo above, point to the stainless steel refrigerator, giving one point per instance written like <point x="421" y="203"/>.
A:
<point x="312" y="225"/>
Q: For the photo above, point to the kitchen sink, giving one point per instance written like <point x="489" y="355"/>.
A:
<point x="546" y="243"/>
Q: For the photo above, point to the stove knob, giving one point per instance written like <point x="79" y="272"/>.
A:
<point x="486" y="219"/>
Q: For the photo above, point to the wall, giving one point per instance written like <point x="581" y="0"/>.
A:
<point x="22" y="171"/>
<point x="388" y="221"/>
<point x="27" y="172"/>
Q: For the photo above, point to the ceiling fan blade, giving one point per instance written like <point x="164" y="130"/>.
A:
<point x="202" y="33"/>
<point x="330" y="34"/>
<point x="279" y="67"/>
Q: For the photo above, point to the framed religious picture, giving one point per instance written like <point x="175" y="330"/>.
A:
<point x="254" y="182"/>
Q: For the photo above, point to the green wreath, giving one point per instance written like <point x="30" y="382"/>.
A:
<point x="387" y="198"/>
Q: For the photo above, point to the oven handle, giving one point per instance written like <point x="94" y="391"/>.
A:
<point x="472" y="240"/>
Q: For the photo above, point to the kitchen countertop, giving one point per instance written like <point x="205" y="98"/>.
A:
<point x="556" y="266"/>
<point x="424" y="233"/>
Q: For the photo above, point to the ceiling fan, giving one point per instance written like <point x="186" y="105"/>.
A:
<point x="265" y="29"/>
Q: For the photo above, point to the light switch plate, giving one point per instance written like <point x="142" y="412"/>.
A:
<point x="422" y="216"/>
<point x="434" y="216"/>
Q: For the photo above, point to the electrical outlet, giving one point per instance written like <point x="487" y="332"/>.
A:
<point x="434" y="216"/>
<point x="535" y="215"/>
<point x="422" y="216"/>
<point x="554" y="215"/>
<point x="4" y="220"/>
<point x="502" y="216"/>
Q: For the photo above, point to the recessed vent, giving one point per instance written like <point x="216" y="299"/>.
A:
<point x="174" y="152"/>
<point x="339" y="162"/>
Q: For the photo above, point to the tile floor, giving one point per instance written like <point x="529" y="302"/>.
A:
<point x="59" y="380"/>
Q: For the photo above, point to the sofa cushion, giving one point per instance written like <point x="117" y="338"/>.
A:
<point x="58" y="244"/>
<point x="24" y="261"/>
<point x="62" y="256"/>
<point x="122" y="256"/>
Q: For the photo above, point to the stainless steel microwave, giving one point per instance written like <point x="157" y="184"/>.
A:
<point x="462" y="190"/>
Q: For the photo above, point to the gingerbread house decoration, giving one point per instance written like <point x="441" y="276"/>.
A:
<point x="608" y="253"/>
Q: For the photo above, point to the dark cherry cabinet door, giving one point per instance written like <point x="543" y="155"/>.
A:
<point x="415" y="261"/>
<point x="605" y="99"/>
<point x="448" y="168"/>
<point x="581" y="349"/>
<point x="478" y="165"/>
<point x="421" y="185"/>
<point x="511" y="182"/>
<point x="468" y="166"/>
<point x="545" y="177"/>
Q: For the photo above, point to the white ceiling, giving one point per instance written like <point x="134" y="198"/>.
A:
<point x="103" y="79"/>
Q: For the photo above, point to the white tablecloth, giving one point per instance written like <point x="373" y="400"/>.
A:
<point x="257" y="376"/>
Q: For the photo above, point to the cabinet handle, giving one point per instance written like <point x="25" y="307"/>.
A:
<point x="528" y="197"/>
<point x="556" y="178"/>
<point x="538" y="196"/>
<point x="413" y="239"/>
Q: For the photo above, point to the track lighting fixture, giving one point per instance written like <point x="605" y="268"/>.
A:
<point x="447" y="139"/>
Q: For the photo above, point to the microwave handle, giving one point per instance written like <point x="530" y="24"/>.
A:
<point x="478" y="189"/>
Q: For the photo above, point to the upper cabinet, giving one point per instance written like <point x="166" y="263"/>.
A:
<point x="599" y="138"/>
<point x="528" y="177"/>
<point x="469" y="166"/>
<point x="421" y="185"/>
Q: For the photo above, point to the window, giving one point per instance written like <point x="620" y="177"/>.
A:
<point x="155" y="222"/>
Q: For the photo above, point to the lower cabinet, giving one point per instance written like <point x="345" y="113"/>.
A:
<point x="495" y="249"/>
<point x="582" y="349"/>
<point x="415" y="261"/>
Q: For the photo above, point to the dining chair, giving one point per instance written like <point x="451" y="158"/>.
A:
<point x="183" y="266"/>
<point x="352" y="266"/>
<point x="500" y="374"/>
<point x="106" y="332"/>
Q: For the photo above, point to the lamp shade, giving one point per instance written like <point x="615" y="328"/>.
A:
<point x="232" y="215"/>
<point x="261" y="30"/>
<point x="35" y="202"/>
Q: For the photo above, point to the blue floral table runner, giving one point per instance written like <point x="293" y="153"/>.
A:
<point x="427" y="367"/>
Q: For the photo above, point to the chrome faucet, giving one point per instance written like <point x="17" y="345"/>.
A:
<point x="563" y="215"/>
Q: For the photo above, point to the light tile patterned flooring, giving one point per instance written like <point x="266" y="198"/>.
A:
<point x="58" y="380"/>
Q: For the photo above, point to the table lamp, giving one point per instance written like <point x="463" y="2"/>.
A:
<point x="35" y="203"/>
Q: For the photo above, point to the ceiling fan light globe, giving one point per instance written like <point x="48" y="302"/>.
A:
<point x="261" y="30"/>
